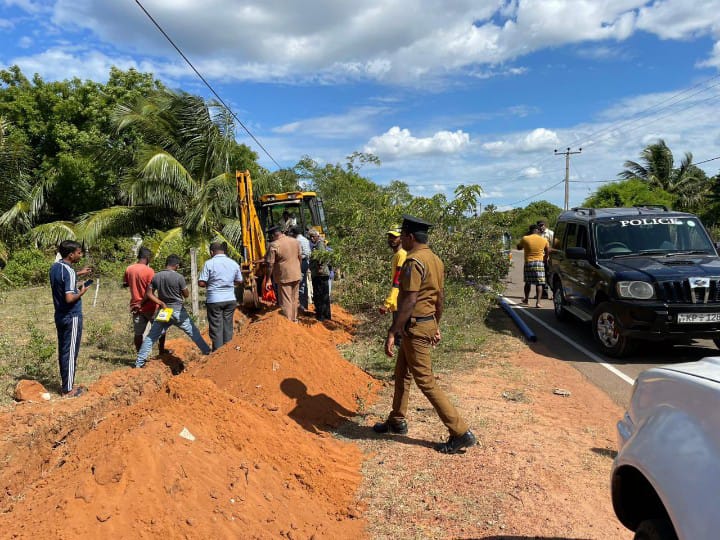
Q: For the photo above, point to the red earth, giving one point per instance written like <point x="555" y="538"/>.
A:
<point x="234" y="446"/>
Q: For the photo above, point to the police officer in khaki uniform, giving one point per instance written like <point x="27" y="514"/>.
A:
<point x="420" y="306"/>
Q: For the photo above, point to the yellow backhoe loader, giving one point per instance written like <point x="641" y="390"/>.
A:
<point x="302" y="209"/>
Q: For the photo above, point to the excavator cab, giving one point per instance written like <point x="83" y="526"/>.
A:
<point x="302" y="209"/>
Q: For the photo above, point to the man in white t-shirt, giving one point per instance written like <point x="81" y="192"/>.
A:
<point x="548" y="235"/>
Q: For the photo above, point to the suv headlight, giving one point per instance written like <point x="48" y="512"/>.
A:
<point x="640" y="290"/>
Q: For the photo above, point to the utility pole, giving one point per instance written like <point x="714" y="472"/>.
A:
<point x="567" y="153"/>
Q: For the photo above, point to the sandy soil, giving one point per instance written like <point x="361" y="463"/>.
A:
<point x="245" y="444"/>
<point x="541" y="469"/>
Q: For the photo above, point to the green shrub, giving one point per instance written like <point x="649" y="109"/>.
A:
<point x="110" y="256"/>
<point x="99" y="334"/>
<point x="36" y="360"/>
<point x="28" y="267"/>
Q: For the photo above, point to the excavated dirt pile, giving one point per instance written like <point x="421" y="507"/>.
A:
<point x="234" y="447"/>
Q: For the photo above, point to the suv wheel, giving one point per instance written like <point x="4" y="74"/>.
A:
<point x="606" y="332"/>
<point x="559" y="301"/>
<point x="655" y="529"/>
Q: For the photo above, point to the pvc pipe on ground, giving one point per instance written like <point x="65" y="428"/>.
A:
<point x="524" y="328"/>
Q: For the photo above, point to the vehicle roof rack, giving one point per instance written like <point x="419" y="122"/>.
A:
<point x="583" y="211"/>
<point x="652" y="207"/>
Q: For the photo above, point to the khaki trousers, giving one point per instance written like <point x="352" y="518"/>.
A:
<point x="413" y="362"/>
<point x="289" y="299"/>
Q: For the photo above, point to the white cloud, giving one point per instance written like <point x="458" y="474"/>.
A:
<point x="273" y="40"/>
<point x="62" y="63"/>
<point x="603" y="53"/>
<point x="537" y="139"/>
<point x="676" y="19"/>
<point x="352" y="123"/>
<point x="25" y="42"/>
<point x="397" y="142"/>
<point x="714" y="59"/>
<point x="531" y="172"/>
<point x="26" y="5"/>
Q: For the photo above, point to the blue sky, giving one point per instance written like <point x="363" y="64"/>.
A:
<point x="444" y="92"/>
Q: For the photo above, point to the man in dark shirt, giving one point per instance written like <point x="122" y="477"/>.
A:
<point x="169" y="290"/>
<point x="68" y="312"/>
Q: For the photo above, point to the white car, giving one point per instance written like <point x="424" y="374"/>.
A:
<point x="666" y="476"/>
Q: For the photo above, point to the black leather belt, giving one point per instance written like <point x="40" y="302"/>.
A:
<point x="422" y="319"/>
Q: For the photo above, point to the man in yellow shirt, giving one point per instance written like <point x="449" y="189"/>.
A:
<point x="398" y="259"/>
<point x="536" y="249"/>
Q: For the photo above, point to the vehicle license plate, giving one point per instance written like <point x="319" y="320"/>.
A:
<point x="698" y="317"/>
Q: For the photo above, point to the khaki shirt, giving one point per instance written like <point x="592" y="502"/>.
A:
<point x="284" y="254"/>
<point x="424" y="273"/>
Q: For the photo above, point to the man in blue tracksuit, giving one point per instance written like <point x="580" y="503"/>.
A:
<point x="68" y="312"/>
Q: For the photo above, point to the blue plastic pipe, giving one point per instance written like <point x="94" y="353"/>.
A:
<point x="524" y="328"/>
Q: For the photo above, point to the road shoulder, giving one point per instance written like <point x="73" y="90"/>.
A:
<point x="541" y="468"/>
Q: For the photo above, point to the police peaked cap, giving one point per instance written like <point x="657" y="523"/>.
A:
<point x="411" y="224"/>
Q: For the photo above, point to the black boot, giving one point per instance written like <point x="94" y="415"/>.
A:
<point x="399" y="428"/>
<point x="456" y="443"/>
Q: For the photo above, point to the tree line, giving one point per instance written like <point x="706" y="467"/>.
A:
<point x="104" y="162"/>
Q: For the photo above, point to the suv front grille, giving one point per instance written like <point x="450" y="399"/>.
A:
<point x="679" y="292"/>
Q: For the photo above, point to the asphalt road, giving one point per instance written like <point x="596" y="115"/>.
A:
<point x="563" y="344"/>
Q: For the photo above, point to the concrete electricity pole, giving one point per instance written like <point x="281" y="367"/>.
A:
<point x="567" y="153"/>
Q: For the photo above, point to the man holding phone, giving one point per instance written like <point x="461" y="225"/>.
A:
<point x="68" y="312"/>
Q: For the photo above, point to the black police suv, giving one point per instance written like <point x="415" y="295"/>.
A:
<point x="642" y="273"/>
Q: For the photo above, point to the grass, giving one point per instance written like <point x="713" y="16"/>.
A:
<point x="28" y="344"/>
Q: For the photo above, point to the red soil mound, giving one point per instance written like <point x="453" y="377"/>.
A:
<point x="252" y="471"/>
<point x="295" y="368"/>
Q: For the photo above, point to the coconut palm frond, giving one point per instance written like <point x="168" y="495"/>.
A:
<point x="634" y="170"/>
<point x="51" y="234"/>
<point x="39" y="194"/>
<point x="161" y="239"/>
<point x="215" y="200"/>
<point x="17" y="217"/>
<point x="113" y="220"/>
<point x="164" y="167"/>
<point x="4" y="253"/>
<point x="232" y="234"/>
<point x="147" y="115"/>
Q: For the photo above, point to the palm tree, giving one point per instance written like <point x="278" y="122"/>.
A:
<point x="181" y="175"/>
<point x="688" y="183"/>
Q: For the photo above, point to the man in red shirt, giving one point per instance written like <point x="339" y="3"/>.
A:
<point x="137" y="278"/>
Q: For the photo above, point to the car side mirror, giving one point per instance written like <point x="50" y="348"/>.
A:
<point x="717" y="245"/>
<point x="576" y="253"/>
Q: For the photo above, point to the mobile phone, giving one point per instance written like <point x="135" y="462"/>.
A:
<point x="88" y="283"/>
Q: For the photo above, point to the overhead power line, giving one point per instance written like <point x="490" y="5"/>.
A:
<point x="189" y="63"/>
<point x="706" y="161"/>
<point x="587" y="140"/>
<point x="536" y="194"/>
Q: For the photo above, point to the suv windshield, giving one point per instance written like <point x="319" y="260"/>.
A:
<point x="651" y="236"/>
